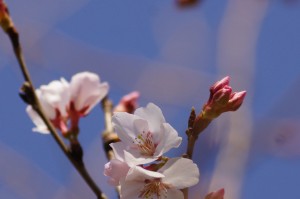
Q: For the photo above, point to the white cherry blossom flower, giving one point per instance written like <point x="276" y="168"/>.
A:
<point x="87" y="91"/>
<point x="145" y="135"/>
<point x="176" y="174"/>
<point x="54" y="99"/>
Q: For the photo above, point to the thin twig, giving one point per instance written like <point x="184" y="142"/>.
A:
<point x="108" y="135"/>
<point x="196" y="125"/>
<point x="14" y="37"/>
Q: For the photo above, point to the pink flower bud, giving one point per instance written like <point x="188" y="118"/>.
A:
<point x="216" y="195"/>
<point x="219" y="85"/>
<point x="5" y="20"/>
<point x="236" y="100"/>
<point x="128" y="103"/>
<point x="222" y="96"/>
<point x="222" y="99"/>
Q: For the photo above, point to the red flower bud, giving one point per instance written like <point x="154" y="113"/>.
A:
<point x="216" y="195"/>
<point x="5" y="20"/>
<point x="222" y="99"/>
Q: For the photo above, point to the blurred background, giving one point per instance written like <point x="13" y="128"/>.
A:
<point x="171" y="55"/>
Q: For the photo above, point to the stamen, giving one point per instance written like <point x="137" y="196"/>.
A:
<point x="145" y="144"/>
<point x="154" y="188"/>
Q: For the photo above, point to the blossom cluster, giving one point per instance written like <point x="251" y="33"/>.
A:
<point x="140" y="167"/>
<point x="65" y="102"/>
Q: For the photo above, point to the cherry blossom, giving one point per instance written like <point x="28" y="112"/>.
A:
<point x="128" y="103"/>
<point x="63" y="101"/>
<point x="142" y="183"/>
<point x="144" y="135"/>
<point x="54" y="98"/>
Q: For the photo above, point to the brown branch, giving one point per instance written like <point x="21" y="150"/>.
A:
<point x="108" y="135"/>
<point x="79" y="166"/>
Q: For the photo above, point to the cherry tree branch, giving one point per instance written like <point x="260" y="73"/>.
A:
<point x="32" y="99"/>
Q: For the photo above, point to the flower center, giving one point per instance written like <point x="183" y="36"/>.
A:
<point x="145" y="144"/>
<point x="154" y="188"/>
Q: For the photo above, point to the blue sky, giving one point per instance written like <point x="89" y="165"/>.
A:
<point x="171" y="56"/>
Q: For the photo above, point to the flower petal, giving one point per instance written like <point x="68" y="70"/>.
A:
<point x="153" y="115"/>
<point x="118" y="148"/>
<point x="174" y="194"/>
<point x="131" y="189"/>
<point x="187" y="173"/>
<point x="87" y="91"/>
<point x="40" y="125"/>
<point x="170" y="139"/>
<point x="135" y="158"/>
<point x="116" y="170"/>
<point x="128" y="126"/>
<point x="57" y="95"/>
<point x="139" y="174"/>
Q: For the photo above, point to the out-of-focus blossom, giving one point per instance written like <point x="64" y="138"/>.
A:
<point x="216" y="195"/>
<point x="87" y="91"/>
<point x="222" y="99"/>
<point x="5" y="20"/>
<point x="176" y="174"/>
<point x="54" y="98"/>
<point x="128" y="103"/>
<point x="144" y="135"/>
<point x="187" y="2"/>
<point x="62" y="101"/>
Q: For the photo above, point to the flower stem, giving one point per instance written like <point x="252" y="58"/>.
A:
<point x="14" y="37"/>
<point x="108" y="135"/>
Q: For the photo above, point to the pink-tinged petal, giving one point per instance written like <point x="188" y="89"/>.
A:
<point x="131" y="189"/>
<point x="40" y="125"/>
<point x="170" y="139"/>
<point x="87" y="91"/>
<point x="174" y="194"/>
<point x="153" y="115"/>
<point x="96" y="97"/>
<point x="187" y="173"/>
<point x="116" y="170"/>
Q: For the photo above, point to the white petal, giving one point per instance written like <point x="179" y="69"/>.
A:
<point x="118" y="149"/>
<point x="40" y="125"/>
<point x="54" y="96"/>
<point x="153" y="115"/>
<point x="131" y="189"/>
<point x="128" y="126"/>
<point x="87" y="91"/>
<point x="137" y="173"/>
<point x="170" y="139"/>
<point x="186" y="173"/>
<point x="134" y="158"/>
<point x="174" y="194"/>
<point x="48" y="109"/>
